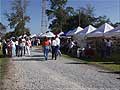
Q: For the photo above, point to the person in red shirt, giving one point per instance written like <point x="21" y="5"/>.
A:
<point x="46" y="45"/>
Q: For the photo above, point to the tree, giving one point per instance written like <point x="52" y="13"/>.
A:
<point x="81" y="17"/>
<point x="2" y="29"/>
<point x="101" y="20"/>
<point x="68" y="19"/>
<point x="116" y="24"/>
<point x="17" y="18"/>
<point x="17" y="33"/>
<point x="57" y="11"/>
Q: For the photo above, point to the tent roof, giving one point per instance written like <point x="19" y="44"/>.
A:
<point x="105" y="28"/>
<point x="87" y="30"/>
<point x="101" y="30"/>
<point x="117" y="28"/>
<point x="75" y="31"/>
<point x="114" y="32"/>
<point x="48" y="34"/>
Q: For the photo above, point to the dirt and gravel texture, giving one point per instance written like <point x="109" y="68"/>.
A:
<point x="35" y="73"/>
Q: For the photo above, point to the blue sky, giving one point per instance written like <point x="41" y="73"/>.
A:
<point x="110" y="8"/>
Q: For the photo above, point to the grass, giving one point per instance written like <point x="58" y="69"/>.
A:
<point x="3" y="65"/>
<point x="112" y="63"/>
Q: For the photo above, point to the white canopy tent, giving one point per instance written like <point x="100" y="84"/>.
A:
<point x="100" y="32"/>
<point x="48" y="34"/>
<point x="114" y="32"/>
<point x="86" y="31"/>
<point x="80" y="36"/>
<point x="34" y="35"/>
<point x="61" y="33"/>
<point x="75" y="31"/>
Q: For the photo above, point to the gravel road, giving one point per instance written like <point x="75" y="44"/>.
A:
<point x="34" y="73"/>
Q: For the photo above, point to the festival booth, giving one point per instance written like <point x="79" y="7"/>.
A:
<point x="94" y="38"/>
<point x="80" y="37"/>
<point x="75" y="31"/>
<point x="114" y="34"/>
<point x="100" y="32"/>
<point x="72" y="33"/>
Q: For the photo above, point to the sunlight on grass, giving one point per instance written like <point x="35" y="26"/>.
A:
<point x="112" y="63"/>
<point x="109" y="65"/>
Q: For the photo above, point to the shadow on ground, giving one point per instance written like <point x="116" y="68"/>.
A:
<point x="117" y="63"/>
<point x="118" y="78"/>
<point x="37" y="56"/>
<point x="75" y="63"/>
<point x="116" y="72"/>
<point x="29" y="59"/>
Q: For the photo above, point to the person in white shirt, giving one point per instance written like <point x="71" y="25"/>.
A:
<point x="13" y="47"/>
<point x="28" y="45"/>
<point x="23" y="45"/>
<point x="108" y="47"/>
<point x="71" y="44"/>
<point x="54" y="48"/>
<point x="58" y="45"/>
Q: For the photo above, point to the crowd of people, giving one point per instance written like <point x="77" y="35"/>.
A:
<point x="18" y="47"/>
<point x="52" y="45"/>
<point x="21" y="47"/>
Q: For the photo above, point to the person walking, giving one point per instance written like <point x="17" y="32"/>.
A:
<point x="20" y="47"/>
<point x="23" y="45"/>
<point x="58" y="52"/>
<point x="45" y="45"/>
<point x="17" y="47"/>
<point x="54" y="48"/>
<point x="28" y="45"/>
<point x="9" y="48"/>
<point x="13" y="47"/>
<point x="4" y="48"/>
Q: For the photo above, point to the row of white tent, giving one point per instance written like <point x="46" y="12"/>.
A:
<point x="105" y="30"/>
<point x="47" y="34"/>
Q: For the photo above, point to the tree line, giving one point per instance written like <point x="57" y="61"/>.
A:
<point x="63" y="18"/>
<point x="67" y="18"/>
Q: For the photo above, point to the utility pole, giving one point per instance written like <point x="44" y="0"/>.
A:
<point x="44" y="17"/>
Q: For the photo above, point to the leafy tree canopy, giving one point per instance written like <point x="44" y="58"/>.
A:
<point x="17" y="18"/>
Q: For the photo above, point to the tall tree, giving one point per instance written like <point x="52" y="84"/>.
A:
<point x="17" y="17"/>
<point x="101" y="20"/>
<point x="66" y="18"/>
<point x="57" y="11"/>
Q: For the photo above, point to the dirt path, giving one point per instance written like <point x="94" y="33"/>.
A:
<point x="34" y="73"/>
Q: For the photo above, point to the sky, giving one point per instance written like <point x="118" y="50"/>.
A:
<point x="110" y="8"/>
